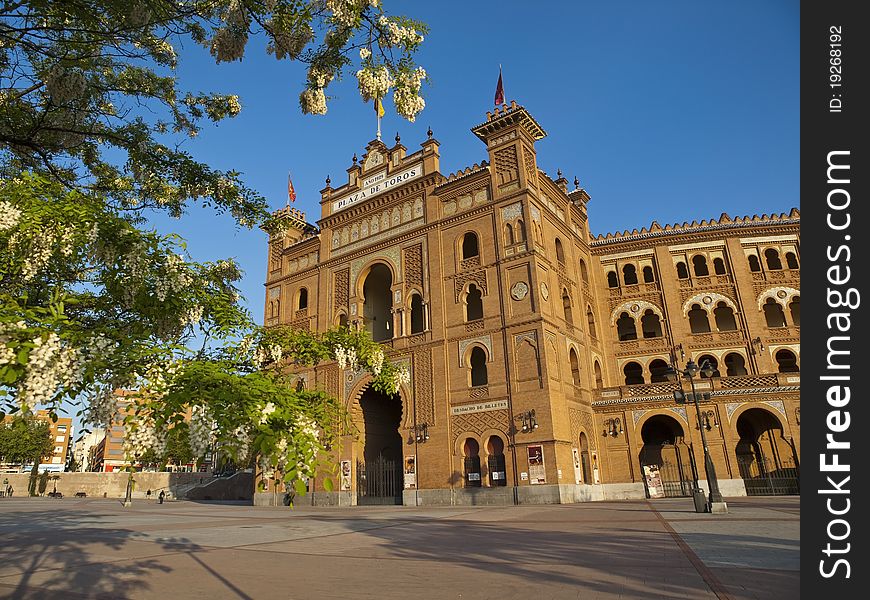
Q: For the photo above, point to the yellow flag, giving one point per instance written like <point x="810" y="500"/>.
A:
<point x="379" y="107"/>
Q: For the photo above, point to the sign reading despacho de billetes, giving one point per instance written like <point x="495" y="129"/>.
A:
<point x="377" y="184"/>
<point x="480" y="407"/>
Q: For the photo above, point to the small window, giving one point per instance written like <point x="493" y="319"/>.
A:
<point x="651" y="324"/>
<point x="773" y="313"/>
<point x="648" y="275"/>
<point x="560" y="252"/>
<point x="735" y="365"/>
<point x="416" y="314"/>
<point x="590" y="320"/>
<point x="699" y="321"/>
<point x="771" y="257"/>
<point x="584" y="275"/>
<point x="599" y="377"/>
<point x="658" y="371"/>
<point x="791" y="261"/>
<point x="566" y="307"/>
<point x="724" y="316"/>
<point x="682" y="270"/>
<point x="478" y="367"/>
<point x="713" y="363"/>
<point x="795" y="309"/>
<point x="754" y="264"/>
<point x="471" y="449"/>
<point x="520" y="231"/>
<point x="625" y="328"/>
<point x="469" y="246"/>
<point x="303" y="299"/>
<point x="633" y="374"/>
<point x="575" y="366"/>
<point x="787" y="362"/>
<point x="473" y="304"/>
<point x="719" y="266"/>
<point x="496" y="461"/>
<point x="629" y="275"/>
<point x="612" y="280"/>
<point x="508" y="234"/>
<point x="699" y="264"/>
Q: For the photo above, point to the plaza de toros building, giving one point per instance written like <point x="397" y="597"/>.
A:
<point x="537" y="352"/>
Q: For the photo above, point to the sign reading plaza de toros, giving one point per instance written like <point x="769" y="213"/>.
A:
<point x="377" y="184"/>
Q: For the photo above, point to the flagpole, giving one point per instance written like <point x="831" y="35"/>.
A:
<point x="378" y="112"/>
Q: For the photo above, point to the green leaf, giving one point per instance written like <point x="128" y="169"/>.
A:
<point x="299" y="485"/>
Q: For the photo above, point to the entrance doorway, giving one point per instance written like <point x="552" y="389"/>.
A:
<point x="379" y="471"/>
<point x="766" y="460"/>
<point x="664" y="447"/>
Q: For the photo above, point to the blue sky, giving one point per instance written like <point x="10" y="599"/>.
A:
<point x="667" y="111"/>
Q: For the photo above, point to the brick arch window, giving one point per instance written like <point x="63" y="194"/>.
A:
<point x="612" y="279"/>
<point x="699" y="321"/>
<point x="795" y="309"/>
<point x="791" y="260"/>
<point x="657" y="371"/>
<point x="699" y="265"/>
<point x="473" y="303"/>
<point x="417" y="324"/>
<point x="633" y="373"/>
<point x="629" y="274"/>
<point x="470" y="246"/>
<point x="520" y="231"/>
<point x="496" y="461"/>
<point x="508" y="234"/>
<point x="754" y="264"/>
<point x="477" y="363"/>
<point x="566" y="307"/>
<point x="651" y="324"/>
<point x="725" y="319"/>
<point x="773" y="314"/>
<point x="735" y="365"/>
<point x="719" y="266"/>
<point x="584" y="274"/>
<point x="682" y="270"/>
<point x="771" y="257"/>
<point x="590" y="321"/>
<point x="471" y="452"/>
<point x="599" y="377"/>
<point x="786" y="361"/>
<point x="713" y="363"/>
<point x="560" y="252"/>
<point x="575" y="366"/>
<point x="648" y="275"/>
<point x="626" y="328"/>
<point x="302" y="301"/>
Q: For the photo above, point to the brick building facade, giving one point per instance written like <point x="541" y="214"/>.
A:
<point x="538" y="352"/>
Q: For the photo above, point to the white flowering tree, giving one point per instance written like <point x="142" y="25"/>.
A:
<point x="91" y="112"/>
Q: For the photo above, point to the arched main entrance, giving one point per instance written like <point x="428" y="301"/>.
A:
<point x="766" y="459"/>
<point x="664" y="447"/>
<point x="379" y="471"/>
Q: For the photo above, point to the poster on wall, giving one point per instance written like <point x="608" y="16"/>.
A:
<point x="653" y="481"/>
<point x="410" y="472"/>
<point x="345" y="475"/>
<point x="578" y="473"/>
<point x="537" y="474"/>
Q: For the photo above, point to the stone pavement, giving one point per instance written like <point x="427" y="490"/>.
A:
<point x="71" y="549"/>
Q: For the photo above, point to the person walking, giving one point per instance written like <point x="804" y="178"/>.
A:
<point x="9" y="492"/>
<point x="148" y="494"/>
<point x="161" y="496"/>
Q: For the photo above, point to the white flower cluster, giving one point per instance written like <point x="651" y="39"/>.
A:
<point x="344" y="12"/>
<point x="7" y="355"/>
<point x="228" y="44"/>
<point x="401" y="376"/>
<point x="407" y="95"/>
<point x="346" y="357"/>
<point x="50" y="366"/>
<point x="159" y="376"/>
<point x="9" y="215"/>
<point x="239" y="443"/>
<point x="374" y="82"/>
<point x="377" y="361"/>
<point x="201" y="428"/>
<point x="175" y="277"/>
<point x="301" y="440"/>
<point x="102" y="407"/>
<point x="268" y="409"/>
<point x="313" y="101"/>
<point x="139" y="14"/>
<point x="193" y="315"/>
<point x="142" y="435"/>
<point x="319" y="77"/>
<point x="37" y="254"/>
<point x="365" y="53"/>
<point x="396" y="35"/>
<point x="64" y="85"/>
<point x="275" y="352"/>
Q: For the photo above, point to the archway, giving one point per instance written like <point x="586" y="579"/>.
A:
<point x="378" y="302"/>
<point x="664" y="448"/>
<point x="766" y="460"/>
<point x="379" y="473"/>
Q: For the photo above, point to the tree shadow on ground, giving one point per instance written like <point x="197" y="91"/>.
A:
<point x="49" y="554"/>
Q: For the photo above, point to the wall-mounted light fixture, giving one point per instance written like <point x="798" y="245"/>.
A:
<point x="420" y="433"/>
<point x="612" y="427"/>
<point x="675" y="350"/>
<point x="756" y="341"/>
<point x="708" y="418"/>
<point x="530" y="422"/>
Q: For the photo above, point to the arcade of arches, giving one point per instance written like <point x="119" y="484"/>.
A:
<point x="539" y="352"/>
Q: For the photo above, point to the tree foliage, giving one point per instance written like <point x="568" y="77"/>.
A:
<point x="24" y="440"/>
<point x="92" y="123"/>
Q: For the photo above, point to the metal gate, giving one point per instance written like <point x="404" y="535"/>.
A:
<point x="763" y="477"/>
<point x="676" y="471"/>
<point x="378" y="481"/>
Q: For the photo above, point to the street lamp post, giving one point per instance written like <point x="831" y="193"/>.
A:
<point x="716" y="503"/>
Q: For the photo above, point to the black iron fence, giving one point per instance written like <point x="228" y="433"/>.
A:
<point x="764" y="477"/>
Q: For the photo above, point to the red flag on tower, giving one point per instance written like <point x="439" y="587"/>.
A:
<point x="499" y="89"/>
<point x="291" y="193"/>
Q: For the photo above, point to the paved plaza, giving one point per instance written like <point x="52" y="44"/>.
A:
<point x="73" y="548"/>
